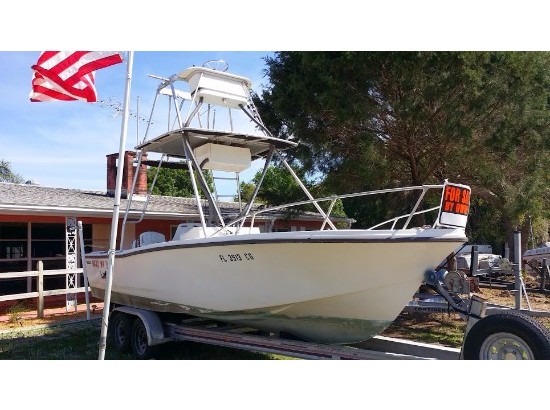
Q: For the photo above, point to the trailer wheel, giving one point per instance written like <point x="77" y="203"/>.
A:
<point x="509" y="335"/>
<point x="140" y="342"/>
<point x="120" y="326"/>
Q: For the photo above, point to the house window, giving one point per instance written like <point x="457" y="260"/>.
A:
<point x="22" y="245"/>
<point x="47" y="241"/>
<point x="87" y="232"/>
<point x="13" y="246"/>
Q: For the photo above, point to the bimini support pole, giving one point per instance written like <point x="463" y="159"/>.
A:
<point x="306" y="191"/>
<point x="257" y="188"/>
<point x="116" y="210"/>
<point x="84" y="271"/>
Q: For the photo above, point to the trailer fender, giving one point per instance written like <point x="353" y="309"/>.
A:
<point x="152" y="322"/>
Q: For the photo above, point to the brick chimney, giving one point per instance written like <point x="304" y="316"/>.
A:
<point x="127" y="174"/>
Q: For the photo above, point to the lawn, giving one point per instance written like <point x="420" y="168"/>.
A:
<point x="80" y="342"/>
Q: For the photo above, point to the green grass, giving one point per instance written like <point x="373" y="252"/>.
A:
<point x="432" y="328"/>
<point x="15" y="311"/>
<point x="80" y="342"/>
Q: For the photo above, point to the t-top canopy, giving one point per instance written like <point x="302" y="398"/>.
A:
<point x="171" y="142"/>
<point x="191" y="72"/>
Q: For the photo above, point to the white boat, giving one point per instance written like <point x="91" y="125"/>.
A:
<point x="487" y="261"/>
<point x="536" y="255"/>
<point x="330" y="285"/>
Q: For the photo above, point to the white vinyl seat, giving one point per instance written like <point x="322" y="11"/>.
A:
<point x="149" y="237"/>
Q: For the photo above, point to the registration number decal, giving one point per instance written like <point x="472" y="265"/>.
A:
<point x="236" y="257"/>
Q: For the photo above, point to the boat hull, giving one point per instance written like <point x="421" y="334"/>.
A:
<point x="328" y="286"/>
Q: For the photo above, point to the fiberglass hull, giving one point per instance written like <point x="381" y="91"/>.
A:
<point x="327" y="286"/>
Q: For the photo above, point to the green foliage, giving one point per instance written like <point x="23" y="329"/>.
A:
<point x="15" y="311"/>
<point x="369" y="120"/>
<point x="482" y="221"/>
<point x="279" y="187"/>
<point x="247" y="190"/>
<point x="80" y="342"/>
<point x="8" y="175"/>
<point x="175" y="182"/>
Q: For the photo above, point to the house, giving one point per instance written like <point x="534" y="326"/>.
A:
<point x="36" y="222"/>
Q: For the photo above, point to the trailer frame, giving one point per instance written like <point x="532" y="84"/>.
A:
<point x="193" y="329"/>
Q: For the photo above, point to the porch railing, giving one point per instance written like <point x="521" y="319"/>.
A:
<point x="40" y="293"/>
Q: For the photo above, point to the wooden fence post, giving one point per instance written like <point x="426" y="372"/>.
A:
<point x="40" y="287"/>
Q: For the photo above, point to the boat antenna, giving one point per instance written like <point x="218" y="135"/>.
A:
<point x="117" y="106"/>
<point x="137" y="121"/>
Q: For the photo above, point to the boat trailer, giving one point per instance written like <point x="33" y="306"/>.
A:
<point x="141" y="331"/>
<point x="492" y="332"/>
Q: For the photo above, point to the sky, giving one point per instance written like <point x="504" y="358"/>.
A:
<point x="64" y="144"/>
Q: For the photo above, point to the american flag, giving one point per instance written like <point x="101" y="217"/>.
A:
<point x="69" y="75"/>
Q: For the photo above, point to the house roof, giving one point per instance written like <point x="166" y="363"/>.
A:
<point x="36" y="199"/>
<point x="26" y="199"/>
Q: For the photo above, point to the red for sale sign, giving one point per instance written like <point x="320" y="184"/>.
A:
<point x="455" y="205"/>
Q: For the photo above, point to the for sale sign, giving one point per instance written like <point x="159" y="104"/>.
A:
<point x="455" y="205"/>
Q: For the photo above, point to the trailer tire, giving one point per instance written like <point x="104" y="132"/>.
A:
<point x="120" y="328"/>
<point x="507" y="335"/>
<point x="140" y="342"/>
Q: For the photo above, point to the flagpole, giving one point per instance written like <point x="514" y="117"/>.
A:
<point x="116" y="209"/>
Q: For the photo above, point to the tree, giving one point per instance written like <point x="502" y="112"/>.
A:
<point x="8" y="175"/>
<point x="175" y="182"/>
<point x="279" y="187"/>
<point x="370" y="120"/>
<point x="247" y="189"/>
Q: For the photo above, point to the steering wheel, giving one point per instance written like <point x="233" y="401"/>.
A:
<point x="218" y="65"/>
